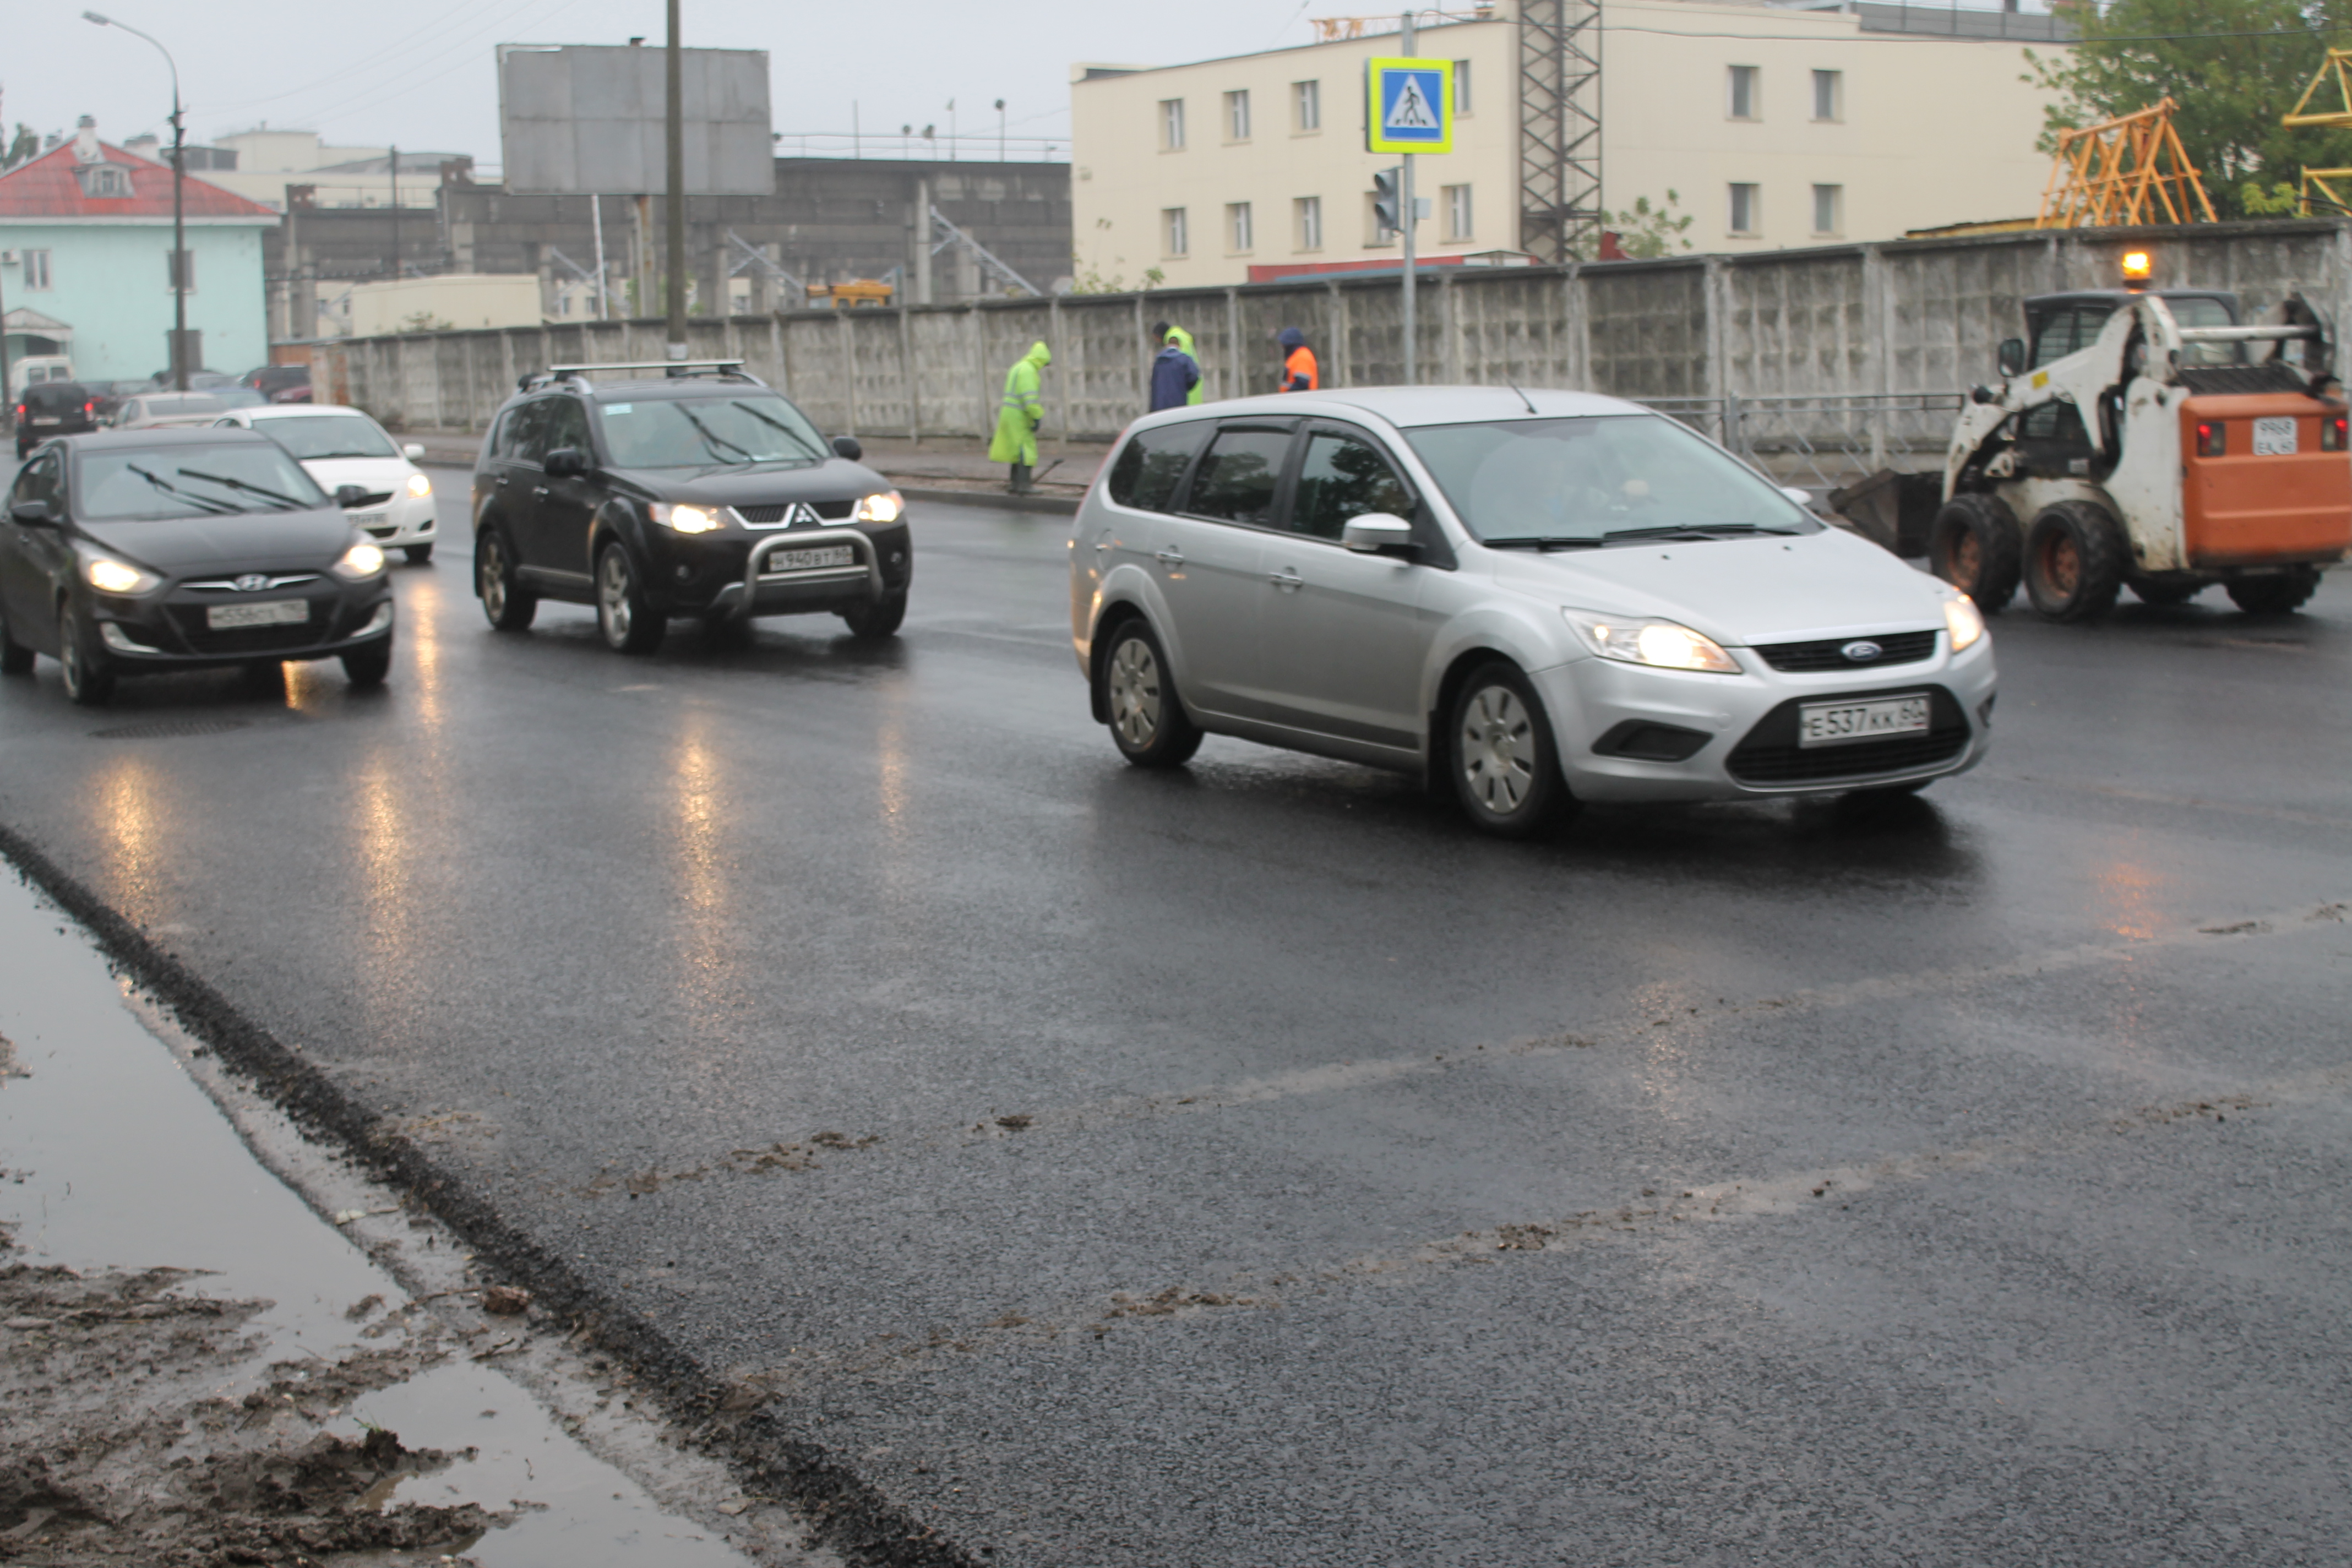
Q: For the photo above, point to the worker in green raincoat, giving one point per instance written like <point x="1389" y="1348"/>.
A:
<point x="1018" y="417"/>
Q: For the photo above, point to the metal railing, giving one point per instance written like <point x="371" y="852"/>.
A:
<point x="915" y="146"/>
<point x="1823" y="443"/>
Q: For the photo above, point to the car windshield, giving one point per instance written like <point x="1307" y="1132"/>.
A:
<point x="707" y="432"/>
<point x="316" y="436"/>
<point x="149" y="484"/>
<point x="1588" y="481"/>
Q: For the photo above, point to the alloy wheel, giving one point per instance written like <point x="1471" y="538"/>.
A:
<point x="612" y="587"/>
<point x="1499" y="749"/>
<point x="1135" y="692"/>
<point x="494" y="578"/>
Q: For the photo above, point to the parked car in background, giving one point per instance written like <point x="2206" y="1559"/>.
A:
<point x="343" y="449"/>
<point x="151" y="410"/>
<point x="237" y="396"/>
<point x="270" y="380"/>
<point x="292" y="394"/>
<point x="133" y="552"/>
<point x="35" y="368"/>
<point x="53" y="408"/>
<point x="1528" y="599"/>
<point x="108" y="395"/>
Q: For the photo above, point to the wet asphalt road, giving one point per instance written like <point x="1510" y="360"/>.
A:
<point x="1960" y="1181"/>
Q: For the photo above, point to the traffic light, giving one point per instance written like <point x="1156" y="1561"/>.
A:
<point x="1388" y="200"/>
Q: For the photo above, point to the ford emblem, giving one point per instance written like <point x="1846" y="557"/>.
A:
<point x="1861" y="652"/>
<point x="252" y="583"/>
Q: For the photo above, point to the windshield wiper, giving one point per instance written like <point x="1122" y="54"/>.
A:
<point x="1542" y="542"/>
<point x="213" y="506"/>
<point x="285" y="502"/>
<point x="711" y="441"/>
<point x="780" y="424"/>
<point x="1693" y="531"/>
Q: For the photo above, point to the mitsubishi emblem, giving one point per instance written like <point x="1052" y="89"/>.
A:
<point x="1861" y="652"/>
<point x="802" y="513"/>
<point x="251" y="583"/>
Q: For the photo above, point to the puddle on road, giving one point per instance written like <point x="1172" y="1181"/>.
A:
<point x="114" y="1157"/>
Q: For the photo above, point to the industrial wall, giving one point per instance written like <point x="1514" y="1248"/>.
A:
<point x="1919" y="316"/>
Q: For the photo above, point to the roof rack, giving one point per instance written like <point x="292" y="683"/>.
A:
<point x="675" y="368"/>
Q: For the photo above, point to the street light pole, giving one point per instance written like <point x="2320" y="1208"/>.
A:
<point x="179" y="182"/>
<point x="676" y="195"/>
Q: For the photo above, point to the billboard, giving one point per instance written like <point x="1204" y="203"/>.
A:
<point x="589" y="119"/>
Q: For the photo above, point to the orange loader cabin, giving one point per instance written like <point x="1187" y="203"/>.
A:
<point x="2266" y="480"/>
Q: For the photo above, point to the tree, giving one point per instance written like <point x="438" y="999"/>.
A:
<point x="27" y="142"/>
<point x="1646" y="232"/>
<point x="2232" y="66"/>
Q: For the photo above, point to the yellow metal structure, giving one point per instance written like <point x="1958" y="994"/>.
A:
<point x="2338" y="69"/>
<point x="2329" y="195"/>
<point x="856" y="292"/>
<point x="2128" y="170"/>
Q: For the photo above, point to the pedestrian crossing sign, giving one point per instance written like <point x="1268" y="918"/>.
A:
<point x="1409" y="106"/>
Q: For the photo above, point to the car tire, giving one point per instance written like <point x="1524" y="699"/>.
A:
<point x="418" y="554"/>
<point x="624" y="616"/>
<point x="508" y="604"/>
<point x="1500" y="751"/>
<point x="16" y="658"/>
<point x="2164" y="592"/>
<point x="1974" y="546"/>
<point x="2074" y="562"/>
<point x="367" y="667"/>
<point x="88" y="674"/>
<point x="1147" y="721"/>
<point x="2280" y="594"/>
<point x="877" y="619"/>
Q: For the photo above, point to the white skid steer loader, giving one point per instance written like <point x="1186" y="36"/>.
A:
<point x="2149" y="438"/>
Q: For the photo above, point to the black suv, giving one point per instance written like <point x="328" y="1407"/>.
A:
<point x="49" y="408"/>
<point x="702" y="492"/>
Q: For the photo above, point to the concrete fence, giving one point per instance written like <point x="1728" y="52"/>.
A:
<point x="1876" y="325"/>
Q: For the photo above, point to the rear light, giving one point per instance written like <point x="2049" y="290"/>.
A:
<point x="90" y="410"/>
<point x="2212" y="440"/>
<point x="2331" y="432"/>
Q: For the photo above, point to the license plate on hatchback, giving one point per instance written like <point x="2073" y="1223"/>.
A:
<point x="1842" y="724"/>
<point x="2275" y="437"/>
<point x="783" y="562"/>
<point x="242" y="617"/>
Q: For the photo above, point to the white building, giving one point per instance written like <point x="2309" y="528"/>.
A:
<point x="258" y="166"/>
<point x="1775" y="127"/>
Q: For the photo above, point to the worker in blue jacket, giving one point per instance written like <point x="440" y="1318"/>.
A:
<point x="1174" y="373"/>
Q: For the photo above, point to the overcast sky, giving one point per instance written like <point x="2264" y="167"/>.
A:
<point x="418" y="73"/>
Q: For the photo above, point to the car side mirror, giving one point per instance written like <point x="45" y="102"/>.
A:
<point x="565" y="462"/>
<point x="1802" y="498"/>
<point x="31" y="514"/>
<point x="414" y="451"/>
<point x="1377" y="532"/>
<point x="349" y="496"/>
<point x="847" y="446"/>
<point x="2013" y="355"/>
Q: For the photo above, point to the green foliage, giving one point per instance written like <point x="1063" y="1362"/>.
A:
<point x="1088" y="278"/>
<point x="425" y="321"/>
<point x="2256" y="200"/>
<point x="1646" y="232"/>
<point x="2233" y="67"/>
<point x="27" y="144"/>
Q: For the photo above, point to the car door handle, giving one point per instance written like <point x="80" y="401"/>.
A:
<point x="1169" y="557"/>
<point x="1287" y="580"/>
<point x="539" y="491"/>
<point x="500" y="482"/>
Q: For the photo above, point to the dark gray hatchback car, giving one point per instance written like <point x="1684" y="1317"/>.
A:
<point x="701" y="492"/>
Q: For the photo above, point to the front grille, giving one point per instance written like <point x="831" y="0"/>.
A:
<point x="1893" y="647"/>
<point x="826" y="511"/>
<point x="373" y="498"/>
<point x="2243" y="380"/>
<point x="1770" y="755"/>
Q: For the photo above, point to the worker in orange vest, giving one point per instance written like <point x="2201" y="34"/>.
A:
<point x="1298" y="372"/>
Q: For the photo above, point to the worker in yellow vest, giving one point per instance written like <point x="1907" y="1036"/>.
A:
<point x="1018" y="417"/>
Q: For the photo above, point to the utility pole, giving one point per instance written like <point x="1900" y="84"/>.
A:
<point x="1407" y="213"/>
<point x="179" y="180"/>
<point x="395" y="214"/>
<point x="677" y="194"/>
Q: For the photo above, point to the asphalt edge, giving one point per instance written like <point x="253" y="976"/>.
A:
<point x="844" y="1512"/>
<point x="1001" y="500"/>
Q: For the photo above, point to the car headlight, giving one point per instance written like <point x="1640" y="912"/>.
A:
<point x="1964" y="621"/>
<point x="419" y="486"/>
<point x="1644" y="639"/>
<point x="882" y="506"/>
<point x="360" y="562"/>
<point x="108" y="575"/>
<point x="685" y="519"/>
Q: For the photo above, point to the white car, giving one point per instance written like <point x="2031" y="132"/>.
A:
<point x="342" y="446"/>
<point x="1529" y="599"/>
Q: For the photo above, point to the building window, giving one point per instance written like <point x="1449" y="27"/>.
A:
<point x="1829" y="95"/>
<point x="36" y="269"/>
<point x="1174" y="240"/>
<point x="104" y="180"/>
<point x="1307" y="105"/>
<point x="1375" y="232"/>
<point x="1237" y="126"/>
<point x="1744" y="96"/>
<point x="1309" y="211"/>
<point x="1457" y="211"/>
<point x="1237" y="225"/>
<point x="179" y="270"/>
<point x="1172" y="125"/>
<point x="1829" y="209"/>
<point x="1746" y="217"/>
<point x="1460" y="87"/>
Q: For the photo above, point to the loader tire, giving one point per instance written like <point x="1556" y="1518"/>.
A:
<point x="1975" y="547"/>
<point x="2074" y="562"/>
<point x="2277" y="596"/>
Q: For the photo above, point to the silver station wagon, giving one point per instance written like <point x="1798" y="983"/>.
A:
<point x="1534" y="599"/>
